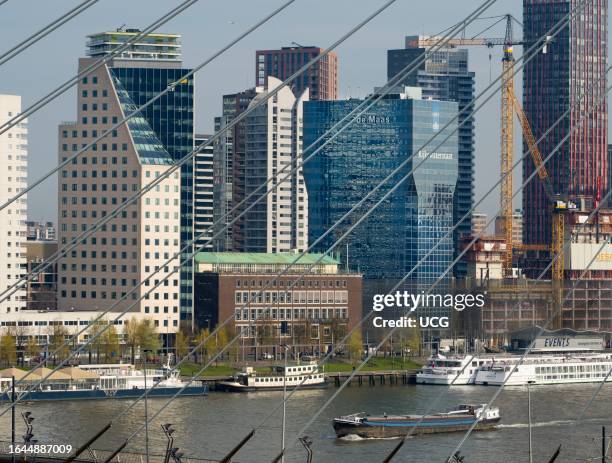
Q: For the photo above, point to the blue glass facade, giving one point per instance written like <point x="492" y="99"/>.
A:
<point x="171" y="119"/>
<point x="416" y="216"/>
<point x="444" y="75"/>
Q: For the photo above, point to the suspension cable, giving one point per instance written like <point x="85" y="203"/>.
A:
<point x="95" y="65"/>
<point x="42" y="33"/>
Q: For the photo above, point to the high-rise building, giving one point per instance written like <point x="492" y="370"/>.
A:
<point x="145" y="70"/>
<point x="41" y="231"/>
<point x="517" y="227"/>
<point x="321" y="79"/>
<point x="203" y="194"/>
<point x="444" y="75"/>
<point x="114" y="259"/>
<point x="479" y="223"/>
<point x="14" y="178"/>
<point x="415" y="217"/>
<point x="571" y="65"/>
<point x="42" y="289"/>
<point x="278" y="222"/>
<point x="229" y="174"/>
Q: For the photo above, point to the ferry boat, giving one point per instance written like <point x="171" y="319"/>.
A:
<point x="387" y="426"/>
<point x="547" y="369"/>
<point x="102" y="381"/>
<point x="455" y="370"/>
<point x="249" y="380"/>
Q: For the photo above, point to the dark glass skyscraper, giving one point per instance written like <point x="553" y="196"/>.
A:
<point x="569" y="67"/>
<point x="416" y="216"/>
<point x="230" y="173"/>
<point x="144" y="73"/>
<point x="444" y="75"/>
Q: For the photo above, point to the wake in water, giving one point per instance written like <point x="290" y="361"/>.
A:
<point x="356" y="438"/>
<point x="535" y="425"/>
<point x="545" y="424"/>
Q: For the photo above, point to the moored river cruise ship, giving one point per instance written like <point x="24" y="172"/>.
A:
<point x="544" y="369"/>
<point x="455" y="370"/>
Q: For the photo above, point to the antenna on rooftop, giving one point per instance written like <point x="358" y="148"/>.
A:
<point x="121" y="28"/>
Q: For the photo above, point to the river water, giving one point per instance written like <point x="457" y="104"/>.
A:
<point x="208" y="427"/>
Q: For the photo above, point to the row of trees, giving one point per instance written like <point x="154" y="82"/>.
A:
<point x="105" y="345"/>
<point x="141" y="335"/>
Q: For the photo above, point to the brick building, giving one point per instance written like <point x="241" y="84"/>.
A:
<point x="313" y="314"/>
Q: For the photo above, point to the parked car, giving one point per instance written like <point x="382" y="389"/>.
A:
<point x="266" y="356"/>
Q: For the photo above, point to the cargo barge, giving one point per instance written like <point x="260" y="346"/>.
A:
<point x="388" y="426"/>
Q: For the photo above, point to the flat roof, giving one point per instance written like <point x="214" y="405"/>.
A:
<point x="282" y="258"/>
<point x="131" y="33"/>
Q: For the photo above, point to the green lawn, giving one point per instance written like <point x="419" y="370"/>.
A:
<point x="374" y="364"/>
<point x="190" y="369"/>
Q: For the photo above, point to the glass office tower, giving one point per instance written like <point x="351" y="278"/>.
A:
<point x="445" y="75"/>
<point x="416" y="216"/>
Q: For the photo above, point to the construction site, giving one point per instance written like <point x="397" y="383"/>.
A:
<point x="566" y="228"/>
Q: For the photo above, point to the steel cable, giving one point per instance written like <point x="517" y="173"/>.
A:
<point x="42" y="33"/>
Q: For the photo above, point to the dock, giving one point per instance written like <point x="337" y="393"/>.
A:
<point x="372" y="378"/>
<point x="369" y="378"/>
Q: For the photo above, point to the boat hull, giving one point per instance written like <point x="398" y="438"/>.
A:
<point x="388" y="429"/>
<point x="441" y="380"/>
<point x="104" y="394"/>
<point x="236" y="387"/>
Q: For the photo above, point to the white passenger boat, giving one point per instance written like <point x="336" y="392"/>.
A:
<point x="547" y="369"/>
<point x="308" y="375"/>
<point x="98" y="381"/>
<point x="455" y="370"/>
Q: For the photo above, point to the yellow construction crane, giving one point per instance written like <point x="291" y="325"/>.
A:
<point x="510" y="105"/>
<point x="507" y="122"/>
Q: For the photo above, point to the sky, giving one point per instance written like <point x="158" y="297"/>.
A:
<point x="206" y="27"/>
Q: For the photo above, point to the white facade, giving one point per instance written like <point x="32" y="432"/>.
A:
<point x="13" y="179"/>
<point x="273" y="133"/>
<point x="40" y="323"/>
<point x="203" y="194"/>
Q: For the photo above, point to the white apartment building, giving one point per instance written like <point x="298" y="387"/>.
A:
<point x="203" y="194"/>
<point x="13" y="179"/>
<point x="273" y="141"/>
<point x="111" y="262"/>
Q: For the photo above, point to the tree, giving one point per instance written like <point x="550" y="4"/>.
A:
<point x="142" y="334"/>
<point x="131" y="332"/>
<point x="8" y="349"/>
<point x="148" y="337"/>
<point x="355" y="345"/>
<point x="32" y="348"/>
<point x="58" y="339"/>
<point x="229" y="333"/>
<point x="181" y="345"/>
<point x="414" y="340"/>
<point x="96" y="339"/>
<point x="110" y="343"/>
<point x="211" y="346"/>
<point x="199" y="340"/>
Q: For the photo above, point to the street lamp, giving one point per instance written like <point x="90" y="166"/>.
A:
<point x="284" y="404"/>
<point x="146" y="405"/>
<point x="307" y="442"/>
<point x="28" y="419"/>
<point x="168" y="431"/>
<point x="529" y="383"/>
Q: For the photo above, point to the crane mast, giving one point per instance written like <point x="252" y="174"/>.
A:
<point x="507" y="146"/>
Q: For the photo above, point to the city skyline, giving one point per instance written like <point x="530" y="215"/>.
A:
<point x="362" y="64"/>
